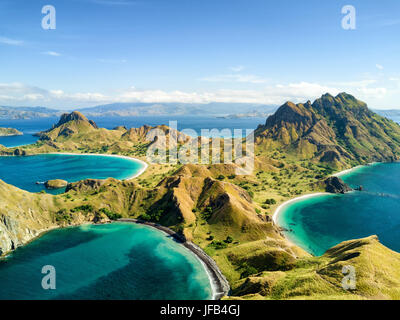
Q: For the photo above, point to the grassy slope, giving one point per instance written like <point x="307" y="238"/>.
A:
<point x="377" y="275"/>
<point x="227" y="215"/>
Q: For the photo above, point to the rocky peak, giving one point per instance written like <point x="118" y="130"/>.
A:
<point x="67" y="117"/>
<point x="74" y="116"/>
<point x="68" y="125"/>
<point x="289" y="113"/>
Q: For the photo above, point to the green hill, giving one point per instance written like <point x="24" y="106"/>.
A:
<point x="336" y="131"/>
<point x="377" y="275"/>
<point x="229" y="216"/>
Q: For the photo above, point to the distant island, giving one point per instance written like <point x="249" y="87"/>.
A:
<point x="138" y="109"/>
<point x="254" y="114"/>
<point x="7" y="132"/>
<point x="25" y="113"/>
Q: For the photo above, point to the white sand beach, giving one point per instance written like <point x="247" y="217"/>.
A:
<point x="143" y="169"/>
<point x="282" y="205"/>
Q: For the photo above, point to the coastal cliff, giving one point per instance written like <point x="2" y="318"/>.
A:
<point x="22" y="217"/>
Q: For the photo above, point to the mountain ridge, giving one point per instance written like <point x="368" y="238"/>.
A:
<point x="338" y="131"/>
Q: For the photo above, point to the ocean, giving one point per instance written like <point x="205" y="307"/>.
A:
<point x="24" y="172"/>
<point x="113" y="261"/>
<point x="318" y="223"/>
<point x="30" y="127"/>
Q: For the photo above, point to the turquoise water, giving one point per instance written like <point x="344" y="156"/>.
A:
<point x="318" y="223"/>
<point x="32" y="126"/>
<point x="24" y="172"/>
<point x="113" y="261"/>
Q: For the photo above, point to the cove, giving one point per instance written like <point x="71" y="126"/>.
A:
<point x="24" y="171"/>
<point x="112" y="261"/>
<point x="318" y="223"/>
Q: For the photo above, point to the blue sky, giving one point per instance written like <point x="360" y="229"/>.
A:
<point x="198" y="51"/>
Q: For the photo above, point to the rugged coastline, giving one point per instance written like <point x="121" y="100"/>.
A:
<point x="14" y="235"/>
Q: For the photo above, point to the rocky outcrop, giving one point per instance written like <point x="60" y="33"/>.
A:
<point x="85" y="185"/>
<point x="55" y="184"/>
<point x="336" y="185"/>
<point x="19" y="152"/>
<point x="23" y="216"/>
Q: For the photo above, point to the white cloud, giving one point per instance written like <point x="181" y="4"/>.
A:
<point x="11" y="42"/>
<point x="379" y="66"/>
<point x="243" y="78"/>
<point x="372" y="92"/>
<point x="52" y="53"/>
<point x="20" y="94"/>
<point x="355" y="84"/>
<point x="236" y="68"/>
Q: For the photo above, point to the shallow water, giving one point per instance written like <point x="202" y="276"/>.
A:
<point x="318" y="223"/>
<point x="24" y="172"/>
<point x="113" y="261"/>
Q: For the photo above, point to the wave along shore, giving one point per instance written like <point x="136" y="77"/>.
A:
<point x="219" y="284"/>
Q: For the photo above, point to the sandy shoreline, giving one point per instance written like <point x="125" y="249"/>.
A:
<point x="219" y="284"/>
<point x="282" y="205"/>
<point x="337" y="174"/>
<point x="278" y="210"/>
<point x="143" y="169"/>
<point x="341" y="173"/>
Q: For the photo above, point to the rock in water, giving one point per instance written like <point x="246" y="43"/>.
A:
<point x="55" y="184"/>
<point x="336" y="185"/>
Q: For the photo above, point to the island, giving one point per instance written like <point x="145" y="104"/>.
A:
<point x="55" y="184"/>
<point x="8" y="132"/>
<point x="228" y="217"/>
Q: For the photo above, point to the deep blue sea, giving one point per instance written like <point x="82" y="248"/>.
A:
<point x="320" y="222"/>
<point x="30" y="127"/>
<point x="24" y="171"/>
<point x="114" y="261"/>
